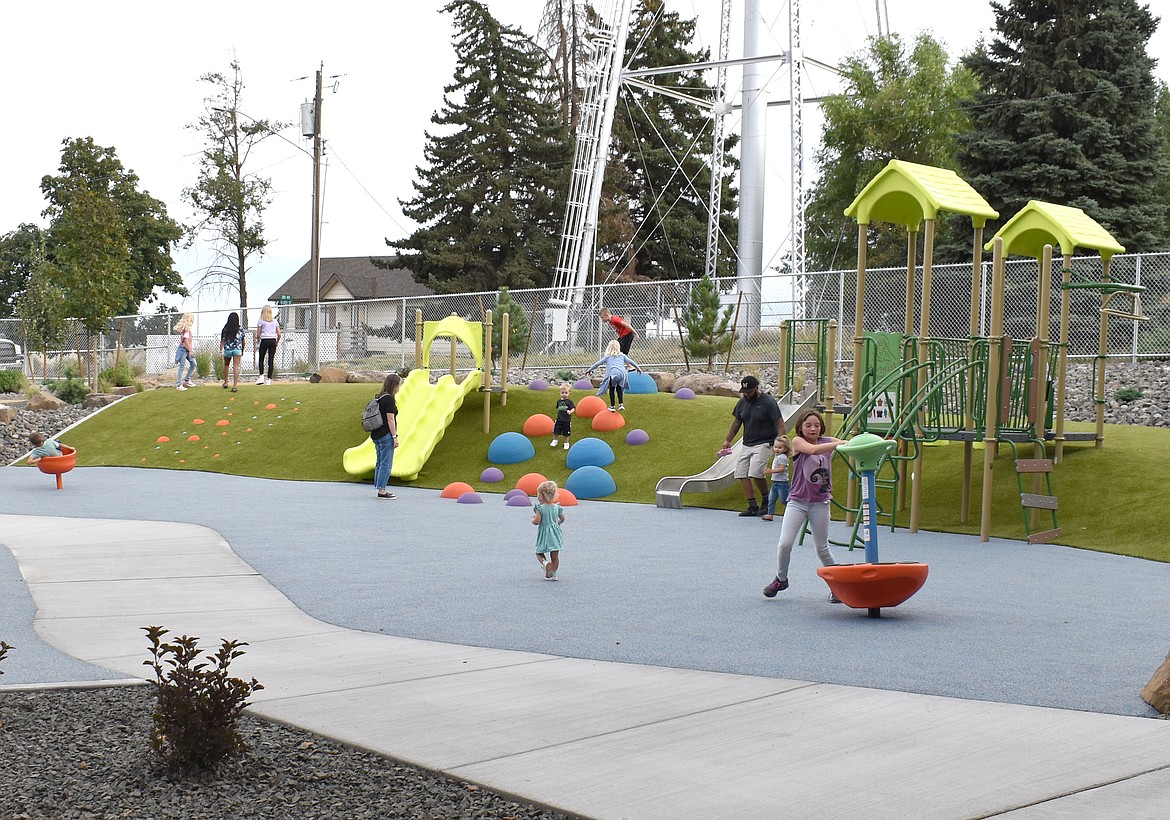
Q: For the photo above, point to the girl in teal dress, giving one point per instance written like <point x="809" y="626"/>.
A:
<point x="548" y="516"/>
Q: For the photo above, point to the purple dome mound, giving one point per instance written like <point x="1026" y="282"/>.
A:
<point x="684" y="393"/>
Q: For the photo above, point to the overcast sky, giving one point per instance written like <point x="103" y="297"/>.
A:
<point x="126" y="73"/>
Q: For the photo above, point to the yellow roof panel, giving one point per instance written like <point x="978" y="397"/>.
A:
<point x="905" y="193"/>
<point x="1042" y="223"/>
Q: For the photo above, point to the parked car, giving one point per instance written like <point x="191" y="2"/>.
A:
<point x="11" y="357"/>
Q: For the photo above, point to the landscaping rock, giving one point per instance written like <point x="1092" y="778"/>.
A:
<point x="330" y="375"/>
<point x="665" y="381"/>
<point x="128" y="390"/>
<point x="95" y="400"/>
<point x="707" y="384"/>
<point x="7" y="413"/>
<point x="365" y="377"/>
<point x="45" y="401"/>
<point x="1157" y="691"/>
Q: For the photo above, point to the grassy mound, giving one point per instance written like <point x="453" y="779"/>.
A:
<point x="298" y="431"/>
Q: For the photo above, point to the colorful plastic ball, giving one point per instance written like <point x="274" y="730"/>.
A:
<point x="589" y="451"/>
<point x="510" y="448"/>
<point x="456" y="489"/>
<point x="591" y="482"/>
<point x="637" y="436"/>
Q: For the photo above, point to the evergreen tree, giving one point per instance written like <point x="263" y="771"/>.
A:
<point x="141" y="221"/>
<point x="895" y="105"/>
<point x="653" y="219"/>
<point x="490" y="197"/>
<point x="517" y="325"/>
<point x="1067" y="114"/>
<point x="707" y="322"/>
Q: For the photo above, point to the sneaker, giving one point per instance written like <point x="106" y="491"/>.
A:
<point x="751" y="512"/>
<point x="566" y="445"/>
<point x="189" y="383"/>
<point x="612" y="409"/>
<point x="181" y="387"/>
<point x="766" y="516"/>
<point x="259" y="380"/>
<point x="771" y="589"/>
<point x="233" y="390"/>
<point x="833" y="599"/>
<point x="553" y="443"/>
<point x="621" y="407"/>
<point x="388" y="496"/>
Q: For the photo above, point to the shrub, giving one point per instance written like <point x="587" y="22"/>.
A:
<point x="203" y="364"/>
<point x="567" y="376"/>
<point x="196" y="717"/>
<point x="121" y="375"/>
<point x="3" y="653"/>
<point x="11" y="381"/>
<point x="70" y="389"/>
<point x="1128" y="394"/>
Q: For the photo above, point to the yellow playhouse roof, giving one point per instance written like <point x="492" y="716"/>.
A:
<point x="906" y="193"/>
<point x="1042" y="223"/>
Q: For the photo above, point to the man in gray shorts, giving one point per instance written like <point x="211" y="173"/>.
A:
<point x="759" y="415"/>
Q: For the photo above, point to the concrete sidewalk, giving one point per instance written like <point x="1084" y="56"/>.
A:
<point x="596" y="738"/>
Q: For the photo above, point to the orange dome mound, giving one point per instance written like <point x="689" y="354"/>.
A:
<point x="590" y="406"/>
<point x="222" y="423"/>
<point x="605" y="422"/>
<point x="529" y="482"/>
<point x="456" y="489"/>
<point x="198" y="421"/>
<point x="538" y="425"/>
<point x="566" y="498"/>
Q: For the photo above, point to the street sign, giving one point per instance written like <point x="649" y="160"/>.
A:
<point x="285" y="299"/>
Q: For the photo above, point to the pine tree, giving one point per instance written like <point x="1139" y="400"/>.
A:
<point x="653" y="221"/>
<point x="1067" y="115"/>
<point x="708" y="323"/>
<point x="490" y="196"/>
<point x="517" y="325"/>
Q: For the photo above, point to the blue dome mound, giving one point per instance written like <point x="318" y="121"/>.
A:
<point x="641" y="383"/>
<point x="510" y="448"/>
<point x="591" y="482"/>
<point x="590" y="452"/>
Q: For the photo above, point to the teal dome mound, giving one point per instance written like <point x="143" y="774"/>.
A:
<point x="591" y="482"/>
<point x="590" y="452"/>
<point x="510" y="448"/>
<point x="641" y="383"/>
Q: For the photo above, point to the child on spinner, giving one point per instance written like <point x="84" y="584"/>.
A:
<point x="548" y="517"/>
<point x="779" y="473"/>
<point x="42" y="447"/>
<point x="563" y="426"/>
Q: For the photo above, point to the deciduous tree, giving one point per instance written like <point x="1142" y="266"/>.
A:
<point x="21" y="251"/>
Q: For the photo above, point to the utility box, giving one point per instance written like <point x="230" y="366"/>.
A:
<point x="308" y="120"/>
<point x="556" y="320"/>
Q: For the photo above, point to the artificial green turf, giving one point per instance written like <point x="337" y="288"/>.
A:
<point x="1107" y="495"/>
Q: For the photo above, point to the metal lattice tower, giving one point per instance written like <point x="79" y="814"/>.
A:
<point x="607" y="45"/>
<point x="715" y="200"/>
<point x="796" y="124"/>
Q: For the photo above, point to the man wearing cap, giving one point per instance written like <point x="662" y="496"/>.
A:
<point x="759" y="415"/>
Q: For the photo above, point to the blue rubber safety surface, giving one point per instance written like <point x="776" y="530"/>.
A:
<point x="1000" y="621"/>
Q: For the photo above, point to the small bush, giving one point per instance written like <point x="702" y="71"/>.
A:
<point x="120" y="376"/>
<point x="567" y="376"/>
<point x="71" y="389"/>
<point x="203" y="364"/>
<point x="1128" y="394"/>
<point x="196" y="718"/>
<point x="11" y="381"/>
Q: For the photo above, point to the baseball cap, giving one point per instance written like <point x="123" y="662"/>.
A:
<point x="748" y="383"/>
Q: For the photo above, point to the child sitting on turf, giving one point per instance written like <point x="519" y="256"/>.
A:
<point x="42" y="447"/>
<point x="548" y="515"/>
<point x="563" y="426"/>
<point x="779" y="473"/>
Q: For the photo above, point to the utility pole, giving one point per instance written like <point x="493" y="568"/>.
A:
<point x="315" y="251"/>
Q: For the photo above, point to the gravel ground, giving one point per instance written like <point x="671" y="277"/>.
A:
<point x="82" y="754"/>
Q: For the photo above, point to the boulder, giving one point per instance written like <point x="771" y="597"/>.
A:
<point x="1157" y="691"/>
<point x="45" y="401"/>
<point x="365" y="377"/>
<point x="330" y="375"/>
<point x="94" y="400"/>
<point x="7" y="413"/>
<point x="708" y="384"/>
<point x="128" y="390"/>
<point x="665" y="381"/>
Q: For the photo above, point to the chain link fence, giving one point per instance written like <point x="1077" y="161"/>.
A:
<point x="565" y="334"/>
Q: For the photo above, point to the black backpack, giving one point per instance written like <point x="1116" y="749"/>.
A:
<point x="372" y="416"/>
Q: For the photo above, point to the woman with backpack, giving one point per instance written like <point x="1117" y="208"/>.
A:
<point x="386" y="437"/>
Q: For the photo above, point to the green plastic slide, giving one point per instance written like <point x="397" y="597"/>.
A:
<point x="424" y="411"/>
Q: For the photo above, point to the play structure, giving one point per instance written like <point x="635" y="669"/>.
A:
<point x="979" y="390"/>
<point x="59" y="465"/>
<point x="424" y="409"/>
<point x="721" y="474"/>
